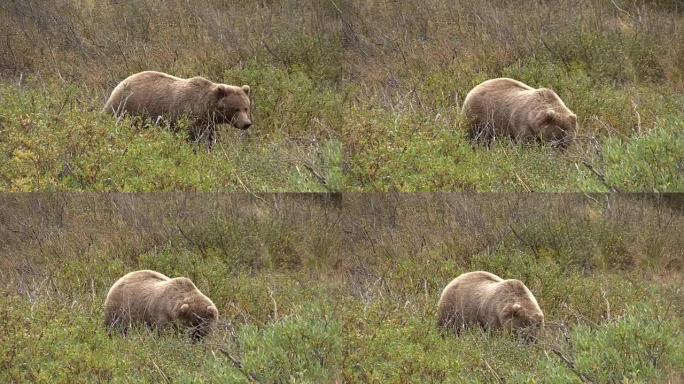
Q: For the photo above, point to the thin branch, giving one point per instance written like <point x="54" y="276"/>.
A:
<point x="161" y="373"/>
<point x="571" y="366"/>
<point x="524" y="241"/>
<point x="239" y="366"/>
<point x="603" y="293"/>
<point x="553" y="52"/>
<point x="638" y="116"/>
<point x="275" y="304"/>
<point x="620" y="9"/>
<point x="320" y="178"/>
<point x="496" y="375"/>
<point x="199" y="246"/>
<point x="601" y="177"/>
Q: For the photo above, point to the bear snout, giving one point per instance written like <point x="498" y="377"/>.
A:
<point x="529" y="337"/>
<point x="241" y="121"/>
<point x="564" y="142"/>
<point x="530" y="333"/>
<point x="201" y="330"/>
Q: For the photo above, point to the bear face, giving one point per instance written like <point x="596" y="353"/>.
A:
<point x="195" y="311"/>
<point x="524" y="320"/>
<point x="520" y="313"/>
<point x="558" y="129"/>
<point x="233" y="105"/>
<point x="197" y="314"/>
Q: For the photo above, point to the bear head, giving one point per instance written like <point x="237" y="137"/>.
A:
<point x="557" y="128"/>
<point x="198" y="315"/>
<point x="195" y="311"/>
<point x="521" y="313"/>
<point x="233" y="105"/>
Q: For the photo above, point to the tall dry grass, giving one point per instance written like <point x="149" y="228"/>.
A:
<point x="343" y="287"/>
<point x="388" y="78"/>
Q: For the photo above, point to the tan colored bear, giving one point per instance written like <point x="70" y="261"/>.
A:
<point x="484" y="299"/>
<point x="150" y="298"/>
<point x="507" y="107"/>
<point x="157" y="95"/>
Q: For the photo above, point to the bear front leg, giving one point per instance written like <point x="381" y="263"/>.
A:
<point x="203" y="133"/>
<point x="483" y="132"/>
<point x="453" y="323"/>
<point x="119" y="321"/>
<point x="211" y="139"/>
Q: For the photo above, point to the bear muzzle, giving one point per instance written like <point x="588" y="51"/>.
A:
<point x="241" y="121"/>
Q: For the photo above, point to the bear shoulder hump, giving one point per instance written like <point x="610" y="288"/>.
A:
<point x="184" y="283"/>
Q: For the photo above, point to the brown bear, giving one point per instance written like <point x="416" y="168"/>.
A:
<point x="484" y="299"/>
<point x="507" y="107"/>
<point x="150" y="298"/>
<point x="157" y="95"/>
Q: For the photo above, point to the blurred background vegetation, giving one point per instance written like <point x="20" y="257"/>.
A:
<point x="354" y="95"/>
<point x="344" y="288"/>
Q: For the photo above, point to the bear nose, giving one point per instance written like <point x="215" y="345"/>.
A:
<point x="247" y="125"/>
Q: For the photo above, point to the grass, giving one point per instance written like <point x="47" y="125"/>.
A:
<point x="56" y="138"/>
<point x="343" y="288"/>
<point x="348" y="95"/>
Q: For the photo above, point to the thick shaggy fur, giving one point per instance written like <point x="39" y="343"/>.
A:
<point x="150" y="298"/>
<point x="157" y="95"/>
<point x="507" y="107"/>
<point x="484" y="299"/>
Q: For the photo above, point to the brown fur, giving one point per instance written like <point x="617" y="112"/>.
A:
<point x="507" y="107"/>
<point x="150" y="298"/>
<point x="484" y="299"/>
<point x="156" y="95"/>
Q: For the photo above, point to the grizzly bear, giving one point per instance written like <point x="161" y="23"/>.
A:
<point x="484" y="299"/>
<point x="507" y="107"/>
<point x="156" y="95"/>
<point x="150" y="298"/>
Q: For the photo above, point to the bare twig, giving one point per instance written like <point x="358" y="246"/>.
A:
<point x="571" y="365"/>
<point x="638" y="116"/>
<point x="620" y="9"/>
<point x="565" y="62"/>
<point x="54" y="61"/>
<point x="601" y="177"/>
<point x="161" y="373"/>
<point x="496" y="376"/>
<point x="318" y="177"/>
<point x="603" y="293"/>
<point x="275" y="304"/>
<point x="348" y="29"/>
<point x="523" y="240"/>
<point x="239" y="366"/>
<point x="522" y="182"/>
<point x="313" y="171"/>
<point x="247" y="189"/>
<point x="286" y="62"/>
<point x="199" y="246"/>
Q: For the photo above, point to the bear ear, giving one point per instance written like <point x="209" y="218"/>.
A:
<point x="511" y="310"/>
<point x="179" y="310"/>
<point x="212" y="311"/>
<point x="221" y="92"/>
<point x="549" y="116"/>
<point x="246" y="89"/>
